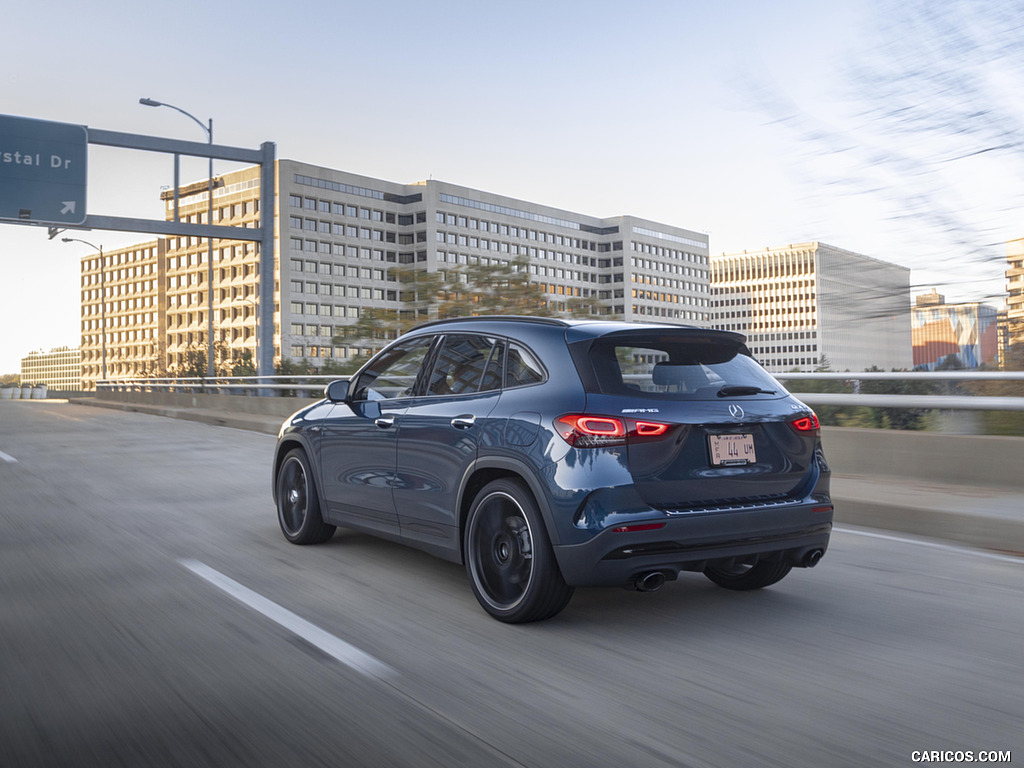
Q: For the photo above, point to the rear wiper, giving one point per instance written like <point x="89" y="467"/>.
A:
<point x="738" y="390"/>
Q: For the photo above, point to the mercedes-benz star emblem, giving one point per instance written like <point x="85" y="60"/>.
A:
<point x="736" y="411"/>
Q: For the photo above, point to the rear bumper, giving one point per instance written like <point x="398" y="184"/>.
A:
<point x="690" y="541"/>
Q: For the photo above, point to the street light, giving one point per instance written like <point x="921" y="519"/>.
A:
<point x="208" y="129"/>
<point x="103" y="302"/>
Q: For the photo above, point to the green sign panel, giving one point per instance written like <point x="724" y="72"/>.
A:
<point x="42" y="171"/>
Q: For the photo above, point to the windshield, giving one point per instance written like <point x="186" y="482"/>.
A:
<point x="677" y="367"/>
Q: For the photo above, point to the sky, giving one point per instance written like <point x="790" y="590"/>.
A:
<point x="740" y="119"/>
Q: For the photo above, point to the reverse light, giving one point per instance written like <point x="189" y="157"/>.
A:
<point x="650" y="428"/>
<point x="806" y="423"/>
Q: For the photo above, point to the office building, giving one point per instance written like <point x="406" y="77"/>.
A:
<point x="341" y="234"/>
<point x="60" y="369"/>
<point x="807" y="305"/>
<point x="340" y="238"/>
<point x="959" y="335"/>
<point x="123" y="313"/>
<point x="1015" y="291"/>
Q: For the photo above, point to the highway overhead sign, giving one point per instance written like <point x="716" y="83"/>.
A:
<point x="42" y="171"/>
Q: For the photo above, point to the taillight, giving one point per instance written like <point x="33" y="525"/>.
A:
<point x="583" y="430"/>
<point x="650" y="428"/>
<point x="586" y="431"/>
<point x="806" y="423"/>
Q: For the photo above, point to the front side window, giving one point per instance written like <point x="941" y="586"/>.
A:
<point x="394" y="373"/>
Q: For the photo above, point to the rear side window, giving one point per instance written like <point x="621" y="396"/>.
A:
<point x="460" y="365"/>
<point x="690" y="367"/>
<point x="521" y="367"/>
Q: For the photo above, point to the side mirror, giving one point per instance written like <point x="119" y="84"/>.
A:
<point x="337" y="391"/>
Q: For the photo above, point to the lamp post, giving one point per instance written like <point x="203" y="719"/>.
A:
<point x="210" y="365"/>
<point x="103" y="302"/>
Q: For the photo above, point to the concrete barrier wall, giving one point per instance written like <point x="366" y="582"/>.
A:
<point x="264" y="406"/>
<point x="930" y="456"/>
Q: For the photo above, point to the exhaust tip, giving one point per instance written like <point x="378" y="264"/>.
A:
<point x="811" y="558"/>
<point x="649" y="582"/>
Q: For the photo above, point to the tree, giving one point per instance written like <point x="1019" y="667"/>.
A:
<point x="464" y="291"/>
<point x="829" y="415"/>
<point x="1003" y="422"/>
<point x="291" y="368"/>
<point x="244" y="365"/>
<point x="895" y="418"/>
<point x="155" y="365"/>
<point x="587" y="307"/>
<point x="193" y="362"/>
<point x="497" y="289"/>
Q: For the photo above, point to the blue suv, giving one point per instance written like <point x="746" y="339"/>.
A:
<point x="547" y="454"/>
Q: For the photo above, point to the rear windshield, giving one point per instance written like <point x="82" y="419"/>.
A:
<point x="677" y="367"/>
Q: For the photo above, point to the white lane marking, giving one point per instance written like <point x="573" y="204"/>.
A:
<point x="344" y="652"/>
<point x="8" y="458"/>
<point x="962" y="550"/>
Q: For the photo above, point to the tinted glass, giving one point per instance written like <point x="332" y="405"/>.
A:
<point x="460" y="365"/>
<point x="681" y="368"/>
<point x="522" y="367"/>
<point x="492" y="373"/>
<point x="393" y="373"/>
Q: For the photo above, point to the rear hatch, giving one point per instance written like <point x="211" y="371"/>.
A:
<point x="707" y="426"/>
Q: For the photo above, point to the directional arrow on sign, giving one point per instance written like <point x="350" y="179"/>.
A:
<point x="42" y="171"/>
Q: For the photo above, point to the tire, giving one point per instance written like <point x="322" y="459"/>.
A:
<point x="745" y="577"/>
<point x="298" y="504"/>
<point x="509" y="558"/>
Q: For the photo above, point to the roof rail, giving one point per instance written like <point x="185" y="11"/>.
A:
<point x="484" y="318"/>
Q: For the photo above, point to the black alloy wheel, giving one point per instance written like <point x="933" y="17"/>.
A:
<point x="509" y="558"/>
<point x="298" y="504"/>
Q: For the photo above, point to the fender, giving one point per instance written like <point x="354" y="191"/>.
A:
<point x="298" y="431"/>
<point x="524" y="471"/>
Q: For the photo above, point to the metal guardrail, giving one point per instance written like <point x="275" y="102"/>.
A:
<point x="922" y="402"/>
<point x="918" y="402"/>
<point x="241" y="385"/>
<point x="274" y="385"/>
<point x="904" y="376"/>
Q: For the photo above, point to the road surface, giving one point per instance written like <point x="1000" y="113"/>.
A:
<point x="151" y="614"/>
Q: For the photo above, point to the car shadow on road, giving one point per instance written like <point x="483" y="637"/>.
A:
<point x="688" y="602"/>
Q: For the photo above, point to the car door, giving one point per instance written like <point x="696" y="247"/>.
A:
<point x="440" y="433"/>
<point x="359" y="439"/>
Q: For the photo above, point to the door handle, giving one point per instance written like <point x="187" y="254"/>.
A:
<point x="464" y="422"/>
<point x="384" y="421"/>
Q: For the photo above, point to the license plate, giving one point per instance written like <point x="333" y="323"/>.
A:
<point x="731" y="450"/>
